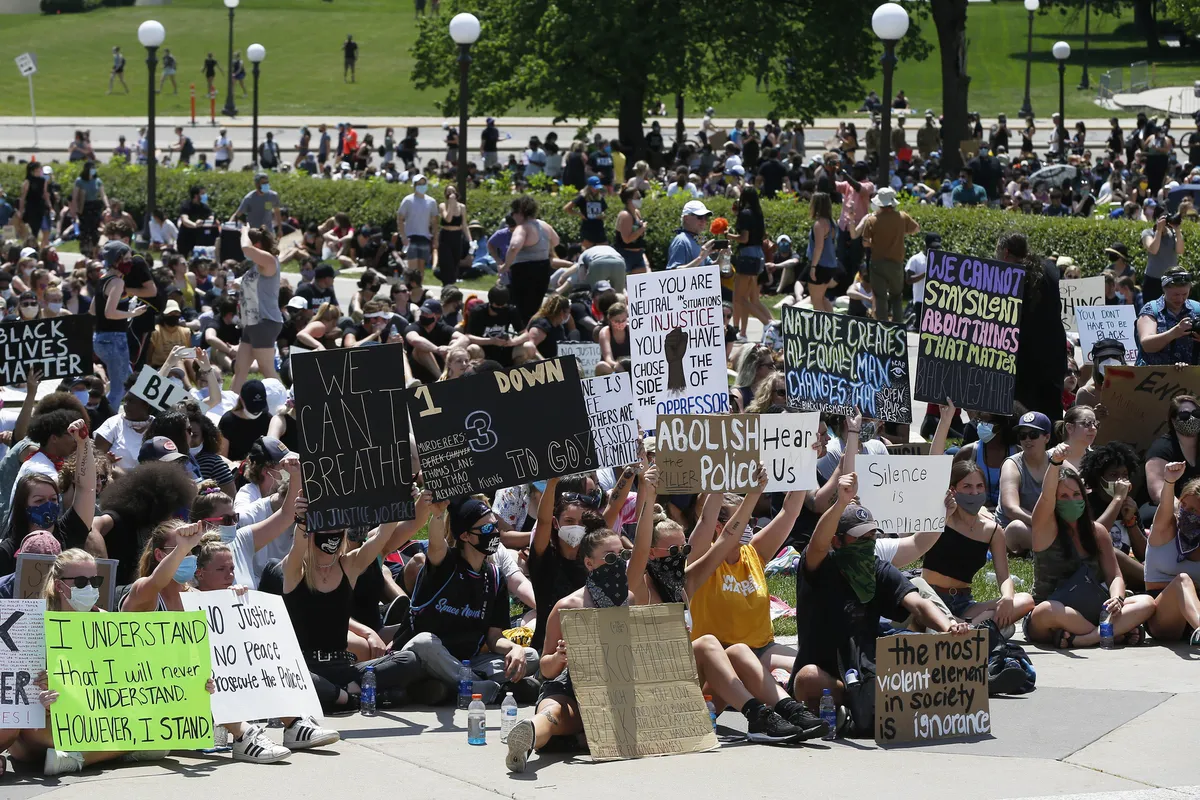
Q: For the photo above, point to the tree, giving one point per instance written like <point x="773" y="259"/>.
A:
<point x="950" y="21"/>
<point x="1144" y="19"/>
<point x="1186" y="13"/>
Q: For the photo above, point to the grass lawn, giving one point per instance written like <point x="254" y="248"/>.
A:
<point x="302" y="72"/>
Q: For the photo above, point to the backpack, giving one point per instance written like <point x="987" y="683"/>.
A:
<point x="859" y="697"/>
<point x="188" y="148"/>
<point x="1009" y="670"/>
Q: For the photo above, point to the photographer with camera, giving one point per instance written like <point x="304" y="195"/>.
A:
<point x="1168" y="327"/>
<point x="1164" y="244"/>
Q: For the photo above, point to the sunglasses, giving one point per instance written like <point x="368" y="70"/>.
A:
<point x="487" y="529"/>
<point x="589" y="500"/>
<point x="1184" y="416"/>
<point x="676" y="549"/>
<point x="227" y="519"/>
<point x="1023" y="435"/>
<point x="80" y="581"/>
<point x="624" y="555"/>
<point x="1090" y="424"/>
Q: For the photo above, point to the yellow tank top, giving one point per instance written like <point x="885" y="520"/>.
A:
<point x="734" y="604"/>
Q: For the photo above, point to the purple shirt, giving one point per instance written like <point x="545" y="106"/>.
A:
<point x="500" y="240"/>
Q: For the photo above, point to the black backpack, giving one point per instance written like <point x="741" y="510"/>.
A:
<point x="188" y="148"/>
<point x="859" y="697"/>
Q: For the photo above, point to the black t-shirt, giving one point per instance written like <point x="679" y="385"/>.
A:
<point x="749" y="221"/>
<point x="592" y="209"/>
<point x="503" y="325"/>
<point x="316" y="296"/>
<point x="490" y="136"/>
<point x="602" y="163"/>
<point x="368" y="594"/>
<point x="350" y="49"/>
<point x="240" y="433"/>
<point x="210" y="67"/>
<point x="1042" y="351"/>
<point x="1167" y="448"/>
<point x="441" y="334"/>
<point x="459" y="605"/>
<point x="654" y="142"/>
<point x="554" y="334"/>
<point x="773" y="173"/>
<point x="553" y="578"/>
<point x="195" y="211"/>
<point x="829" y="614"/>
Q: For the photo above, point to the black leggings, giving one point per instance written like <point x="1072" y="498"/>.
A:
<point x="393" y="671"/>
<point x="530" y="280"/>
<point x="449" y="254"/>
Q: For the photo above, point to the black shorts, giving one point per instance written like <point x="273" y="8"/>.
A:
<point x="748" y="265"/>
<point x="824" y="275"/>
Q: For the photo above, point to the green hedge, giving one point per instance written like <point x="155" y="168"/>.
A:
<point x="965" y="230"/>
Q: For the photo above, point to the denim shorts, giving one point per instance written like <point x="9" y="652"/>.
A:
<point x="419" y="247"/>
<point x="959" y="601"/>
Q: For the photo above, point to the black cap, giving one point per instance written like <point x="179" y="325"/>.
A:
<point x="1107" y="348"/>
<point x="267" y="450"/>
<point x="431" y="306"/>
<point x="254" y="397"/>
<point x="158" y="448"/>
<point x="464" y="513"/>
<point x="856" y="521"/>
<point x="933" y="241"/>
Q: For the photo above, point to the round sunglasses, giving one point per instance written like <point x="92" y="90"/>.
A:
<point x="611" y="558"/>
<point x="676" y="549"/>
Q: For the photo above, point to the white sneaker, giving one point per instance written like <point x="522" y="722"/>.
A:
<point x="62" y="761"/>
<point x="256" y="747"/>
<point x="520" y="746"/>
<point x="304" y="733"/>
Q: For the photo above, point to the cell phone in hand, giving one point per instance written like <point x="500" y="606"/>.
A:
<point x="187" y="352"/>
<point x="720" y="244"/>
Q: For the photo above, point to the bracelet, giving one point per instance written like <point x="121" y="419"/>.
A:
<point x="1167" y="482"/>
<point x="300" y="520"/>
<point x="1056" y="463"/>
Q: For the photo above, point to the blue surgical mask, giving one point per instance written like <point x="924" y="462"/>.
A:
<point x="228" y="533"/>
<point x="985" y="430"/>
<point x="186" y="570"/>
<point x="81" y="395"/>
<point x="266" y="187"/>
<point x="204" y="198"/>
<point x="43" y="515"/>
<point x="421" y="188"/>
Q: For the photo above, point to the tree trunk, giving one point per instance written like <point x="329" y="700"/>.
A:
<point x="1146" y="24"/>
<point x="631" y="113"/>
<point x="950" y="19"/>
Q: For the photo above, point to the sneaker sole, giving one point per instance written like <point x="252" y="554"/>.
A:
<point x="814" y="732"/>
<point x="266" y="759"/>
<point x="520" y="742"/>
<point x="320" y="741"/>
<point x="766" y="738"/>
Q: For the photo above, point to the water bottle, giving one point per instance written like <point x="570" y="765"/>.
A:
<point x="829" y="714"/>
<point x="476" y="721"/>
<point x="851" y="677"/>
<point x="508" y="716"/>
<point x="1106" y="631"/>
<point x="712" y="710"/>
<point x="466" y="685"/>
<point x="366" y="699"/>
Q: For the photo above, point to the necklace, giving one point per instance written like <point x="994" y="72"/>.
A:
<point x="325" y="567"/>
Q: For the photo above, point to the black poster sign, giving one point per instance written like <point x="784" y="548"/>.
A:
<point x="59" y="347"/>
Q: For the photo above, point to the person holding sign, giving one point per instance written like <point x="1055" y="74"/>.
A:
<point x="1105" y="353"/>
<point x="1072" y="562"/>
<point x="110" y="341"/>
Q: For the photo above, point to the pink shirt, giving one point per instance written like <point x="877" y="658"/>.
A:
<point x="855" y="205"/>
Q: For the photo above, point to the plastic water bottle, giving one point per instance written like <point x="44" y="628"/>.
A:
<point x="712" y="709"/>
<point x="508" y="716"/>
<point x="829" y="714"/>
<point x="477" y="721"/>
<point x="366" y="698"/>
<point x="466" y="685"/>
<point x="1106" y="631"/>
<point x="851" y="677"/>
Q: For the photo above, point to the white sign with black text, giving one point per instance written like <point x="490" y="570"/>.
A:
<point x="158" y="390"/>
<point x="586" y="353"/>
<point x="906" y="494"/>
<point x="1108" y="322"/>
<point x="609" y="401"/>
<point x="22" y="657"/>
<point x="1077" y="293"/>
<point x="787" y="452"/>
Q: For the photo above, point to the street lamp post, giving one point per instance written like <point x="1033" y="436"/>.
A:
<point x="890" y="23"/>
<point x="230" y="109"/>
<point x="464" y="30"/>
<point x="256" y="53"/>
<point x="1027" y="107"/>
<point x="1062" y="51"/>
<point x="151" y="34"/>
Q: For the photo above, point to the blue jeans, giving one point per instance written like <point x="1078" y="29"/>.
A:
<point x="113" y="349"/>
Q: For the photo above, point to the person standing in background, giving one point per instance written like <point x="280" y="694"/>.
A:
<point x="349" y="58"/>
<point x="886" y="230"/>
<point x="118" y="71"/>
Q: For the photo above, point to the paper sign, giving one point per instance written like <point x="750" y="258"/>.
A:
<point x="32" y="568"/>
<point x="677" y="343"/>
<point x="635" y="678"/>
<point x="158" y="390"/>
<point x="129" y="681"/>
<point x="707" y="453"/>
<point x="970" y="327"/>
<point x="1107" y="322"/>
<point x="837" y="363"/>
<point x="1138" y="399"/>
<point x="909" y="449"/>
<point x="609" y="401"/>
<point x="257" y="666"/>
<point x="931" y="686"/>
<point x="59" y="347"/>
<point x="22" y="657"/>
<point x="787" y="451"/>
<point x="907" y="494"/>
<point x="586" y="353"/>
<point x="1077" y="293"/>
<point x="354" y="451"/>
<point x="485" y="432"/>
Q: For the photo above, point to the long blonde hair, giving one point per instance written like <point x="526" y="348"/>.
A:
<point x="309" y="580"/>
<point x="73" y="556"/>
<point x="157" y="540"/>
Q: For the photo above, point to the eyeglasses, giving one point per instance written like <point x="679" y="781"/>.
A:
<point x="590" y="500"/>
<point x="624" y="555"/>
<point x="486" y="529"/>
<point x="1090" y="424"/>
<point x="675" y="549"/>
<point x="1023" y="435"/>
<point x="227" y="519"/>
<point x="80" y="581"/>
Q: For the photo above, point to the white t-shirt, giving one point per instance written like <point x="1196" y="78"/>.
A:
<point x="125" y="441"/>
<point x="166" y="233"/>
<point x="221" y="149"/>
<point x="833" y="455"/>
<point x="886" y="548"/>
<point x="39" y="463"/>
<point x="418" y="212"/>
<point x="917" y="266"/>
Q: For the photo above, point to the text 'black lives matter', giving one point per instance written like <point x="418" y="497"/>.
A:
<point x="354" y="450"/>
<point x="970" y="329"/>
<point x="486" y="432"/>
<point x="60" y="348"/>
<point x="837" y="363"/>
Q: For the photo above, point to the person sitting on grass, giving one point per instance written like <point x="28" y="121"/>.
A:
<point x="1173" y="563"/>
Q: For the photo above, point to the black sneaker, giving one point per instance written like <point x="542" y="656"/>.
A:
<point x="767" y="727"/>
<point x="525" y="691"/>
<point x="812" y="726"/>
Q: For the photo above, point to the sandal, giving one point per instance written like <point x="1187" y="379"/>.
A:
<point x="1134" y="637"/>
<point x="1061" y="639"/>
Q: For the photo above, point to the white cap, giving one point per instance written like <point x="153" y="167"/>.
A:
<point x="694" y="208"/>
<point x="297" y="302"/>
<point x="28" y="252"/>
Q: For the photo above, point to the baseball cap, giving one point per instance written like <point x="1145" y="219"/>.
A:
<point x="267" y="450"/>
<point x="158" y="448"/>
<point x="857" y="521"/>
<point x="1107" y="348"/>
<point x="933" y="241"/>
<point x="736" y="169"/>
<point x="172" y="307"/>
<point x="254" y="397"/>
<point x="601" y="286"/>
<point x="1036" y="420"/>
<point x="40" y="542"/>
<point x="464" y="513"/>
<point x="28" y="252"/>
<point x="324" y="271"/>
<point x="694" y="208"/>
<point x="432" y="306"/>
<point x="783" y="239"/>
<point x="298" y="303"/>
<point x="594" y="182"/>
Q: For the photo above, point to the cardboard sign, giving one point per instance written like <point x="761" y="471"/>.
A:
<point x="257" y="666"/>
<point x="677" y="343"/>
<point x="32" y="568"/>
<point x="907" y="494"/>
<point x="931" y="686"/>
<point x="129" y="681"/>
<point x="635" y="679"/>
<point x="587" y="354"/>
<point x="909" y="449"/>
<point x="609" y="400"/>
<point x="1079" y="293"/>
<point x="970" y="327"/>
<point x="1107" y="322"/>
<point x="485" y="432"/>
<point x="22" y="657"/>
<point x="837" y="363"/>
<point x="158" y="390"/>
<point x="1138" y="398"/>
<point x="59" y="347"/>
<point x="787" y="450"/>
<point x="354" y="451"/>
<point x="707" y="453"/>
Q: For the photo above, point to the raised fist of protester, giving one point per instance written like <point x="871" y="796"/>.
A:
<point x="854" y="423"/>
<point x="514" y="664"/>
<point x="947" y="410"/>
<point x="1060" y="452"/>
<point x="650" y="478"/>
<point x="291" y="465"/>
<point x="847" y="488"/>
<point x="1173" y="471"/>
<point x="32" y="379"/>
<point x="760" y="480"/>
<point x="188" y="536"/>
<point x="79" y="431"/>
<point x="1121" y="489"/>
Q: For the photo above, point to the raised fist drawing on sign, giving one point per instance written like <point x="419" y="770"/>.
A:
<point x="674" y="346"/>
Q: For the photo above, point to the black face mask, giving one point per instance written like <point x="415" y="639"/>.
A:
<point x="608" y="585"/>
<point x="667" y="572"/>
<point x="328" y="542"/>
<point x="487" y="542"/>
<point x="171" y="322"/>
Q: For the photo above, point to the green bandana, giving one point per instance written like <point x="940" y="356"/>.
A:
<point x="856" y="561"/>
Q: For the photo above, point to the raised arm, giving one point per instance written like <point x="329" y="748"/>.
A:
<point x="768" y="541"/>
<point x="616" y="500"/>
<point x="822" y="538"/>
<point x="265" y="261"/>
<point x="946" y="415"/>
<point x="1045" y="528"/>
<point x="85" y="473"/>
<point x="31" y="386"/>
<point x="706" y="527"/>
<point x="635" y="571"/>
<point x="543" y="529"/>
<point x="703" y="568"/>
<point x="1162" y="529"/>
<point x="143" y="595"/>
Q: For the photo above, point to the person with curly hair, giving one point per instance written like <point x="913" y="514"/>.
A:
<point x="1107" y="471"/>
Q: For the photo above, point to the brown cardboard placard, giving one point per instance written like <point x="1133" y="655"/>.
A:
<point x="31" y="577"/>
<point x="707" y="453"/>
<point x="909" y="449"/>
<point x="1138" y="398"/>
<point x="635" y="678"/>
<point x="931" y="686"/>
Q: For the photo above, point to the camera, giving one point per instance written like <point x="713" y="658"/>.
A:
<point x="1174" y="219"/>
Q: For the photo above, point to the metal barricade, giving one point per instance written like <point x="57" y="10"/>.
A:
<point x="1139" y="76"/>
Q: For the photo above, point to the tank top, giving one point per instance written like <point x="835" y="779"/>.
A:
<point x="321" y="619"/>
<point x="1055" y="564"/>
<point x="828" y="252"/>
<point x="260" y="297"/>
<point x="1163" y="564"/>
<point x="35" y="197"/>
<point x="957" y="556"/>
<point x="992" y="475"/>
<point x="637" y="244"/>
<point x="455" y="221"/>
<point x="734" y="605"/>
<point x="539" y="251"/>
<point x="1028" y="489"/>
<point x="619" y="349"/>
<point x="573" y="171"/>
<point x="103" y="323"/>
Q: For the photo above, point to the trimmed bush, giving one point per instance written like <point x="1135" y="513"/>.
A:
<point x="68" y="6"/>
<point x="964" y="230"/>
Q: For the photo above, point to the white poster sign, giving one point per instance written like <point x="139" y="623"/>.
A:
<point x="257" y="665"/>
<point x="677" y="343"/>
<point x="1107" y="322"/>
<point x="159" y="391"/>
<point x="907" y="494"/>
<point x="609" y="401"/>
<point x="787" y="452"/>
<point x="1079" y="293"/>
<point x="586" y="353"/>
<point x="22" y="657"/>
